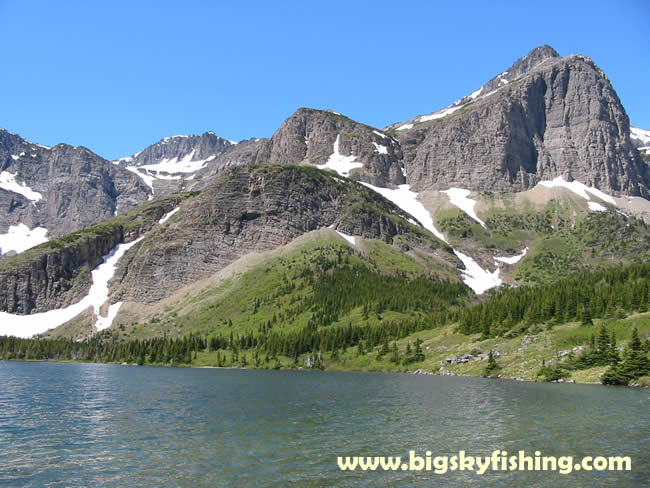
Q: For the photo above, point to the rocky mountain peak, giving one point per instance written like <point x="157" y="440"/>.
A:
<point x="190" y="148"/>
<point x="545" y="117"/>
<point x="535" y="57"/>
<point x="58" y="190"/>
<point x="325" y="138"/>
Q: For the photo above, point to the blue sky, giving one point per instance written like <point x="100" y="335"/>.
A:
<point x="117" y="76"/>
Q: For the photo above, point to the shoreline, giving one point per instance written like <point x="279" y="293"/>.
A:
<point x="417" y="372"/>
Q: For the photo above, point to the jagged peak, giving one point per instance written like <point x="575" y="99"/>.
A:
<point x="520" y="68"/>
<point x="540" y="53"/>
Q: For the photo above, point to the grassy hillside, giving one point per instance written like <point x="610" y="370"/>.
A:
<point x="563" y="236"/>
<point x="312" y="282"/>
<point x="329" y="305"/>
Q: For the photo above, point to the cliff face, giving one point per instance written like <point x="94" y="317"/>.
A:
<point x="54" y="279"/>
<point x="309" y="137"/>
<point x="545" y="117"/>
<point x="258" y="208"/>
<point x="63" y="188"/>
<point x="245" y="209"/>
<point x="192" y="148"/>
<point x="57" y="273"/>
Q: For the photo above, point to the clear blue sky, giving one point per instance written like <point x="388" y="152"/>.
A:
<point x="117" y="76"/>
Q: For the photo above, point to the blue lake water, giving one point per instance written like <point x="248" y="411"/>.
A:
<point x="94" y="425"/>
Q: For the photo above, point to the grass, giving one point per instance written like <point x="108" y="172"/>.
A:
<point x="271" y="292"/>
<point x="141" y="217"/>
<point x="515" y="360"/>
<point x="563" y="236"/>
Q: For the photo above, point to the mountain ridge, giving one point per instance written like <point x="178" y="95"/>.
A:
<point x="489" y="191"/>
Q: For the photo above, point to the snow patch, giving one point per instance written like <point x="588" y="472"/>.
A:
<point x="441" y="113"/>
<point x="380" y="149"/>
<point x="348" y="238"/>
<point x="458" y="197"/>
<point x="407" y="200"/>
<point x="148" y="180"/>
<point x="405" y="127"/>
<point x="19" y="238"/>
<point x="14" y="157"/>
<point x="165" y="140"/>
<point x="168" y="215"/>
<point x="476" y="277"/>
<point x="578" y="188"/>
<point x="28" y="325"/>
<point x="380" y="134"/>
<point x="475" y="94"/>
<point x="641" y="135"/>
<point x="596" y="207"/>
<point x="513" y="259"/>
<point x="339" y="163"/>
<point x="102" y="323"/>
<point x="8" y="182"/>
<point x="175" y="165"/>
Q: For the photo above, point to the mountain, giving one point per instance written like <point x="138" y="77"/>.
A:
<point x="167" y="165"/>
<point x="48" y="192"/>
<point x="545" y="117"/>
<point x="179" y="240"/>
<point x="532" y="178"/>
<point x="641" y="140"/>
<point x="328" y="139"/>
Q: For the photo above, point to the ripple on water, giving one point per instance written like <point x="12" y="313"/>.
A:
<point x="83" y="425"/>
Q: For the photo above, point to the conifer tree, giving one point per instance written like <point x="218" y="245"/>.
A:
<point x="395" y="356"/>
<point x="586" y="316"/>
<point x="492" y="365"/>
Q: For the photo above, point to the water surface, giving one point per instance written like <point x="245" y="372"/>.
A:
<point x="94" y="425"/>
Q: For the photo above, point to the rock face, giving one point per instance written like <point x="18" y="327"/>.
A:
<point x="57" y="273"/>
<point x="258" y="208"/>
<point x="172" y="164"/>
<point x="192" y="148"/>
<point x="309" y="137"/>
<point x="243" y="153"/>
<point x="545" y="117"/>
<point x="54" y="279"/>
<point x="67" y="188"/>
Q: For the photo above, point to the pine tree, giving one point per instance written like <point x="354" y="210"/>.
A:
<point x="419" y="355"/>
<point x="613" y="351"/>
<point x="384" y="349"/>
<point x="636" y="359"/>
<point x="492" y="366"/>
<point x="586" y="316"/>
<point x="395" y="356"/>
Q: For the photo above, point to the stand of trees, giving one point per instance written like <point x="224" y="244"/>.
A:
<point x="596" y="294"/>
<point x="340" y="288"/>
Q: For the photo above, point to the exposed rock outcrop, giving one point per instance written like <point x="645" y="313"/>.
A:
<point x="309" y="135"/>
<point x="75" y="188"/>
<point x="545" y="117"/>
<point x="57" y="273"/>
<point x="258" y="208"/>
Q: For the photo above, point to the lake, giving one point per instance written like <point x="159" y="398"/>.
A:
<point x="95" y="425"/>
